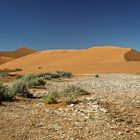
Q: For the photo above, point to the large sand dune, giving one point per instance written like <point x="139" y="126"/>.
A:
<point x="6" y="56"/>
<point x="104" y="59"/>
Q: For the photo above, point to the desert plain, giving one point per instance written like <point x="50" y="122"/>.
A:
<point x="89" y="94"/>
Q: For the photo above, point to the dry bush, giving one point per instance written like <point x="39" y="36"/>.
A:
<point x="20" y="88"/>
<point x="5" y="93"/>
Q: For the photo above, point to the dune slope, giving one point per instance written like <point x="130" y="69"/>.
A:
<point x="96" y="59"/>
<point x="6" y="56"/>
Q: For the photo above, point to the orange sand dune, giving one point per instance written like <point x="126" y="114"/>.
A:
<point x="104" y="59"/>
<point x="6" y="56"/>
<point x="5" y="59"/>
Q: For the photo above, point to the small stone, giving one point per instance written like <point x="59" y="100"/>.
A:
<point x="71" y="105"/>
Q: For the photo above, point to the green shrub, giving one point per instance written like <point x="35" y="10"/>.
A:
<point x="20" y="88"/>
<point x="47" y="77"/>
<point x="35" y="82"/>
<point x="4" y="74"/>
<point x="74" y="90"/>
<point x="5" y="93"/>
<point x="71" y="99"/>
<point x="29" y="77"/>
<point x="18" y="69"/>
<point x="64" y="74"/>
<point x="51" y="98"/>
<point x="55" y="75"/>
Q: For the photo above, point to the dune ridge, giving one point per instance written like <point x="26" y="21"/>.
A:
<point x="6" y="56"/>
<point x="102" y="59"/>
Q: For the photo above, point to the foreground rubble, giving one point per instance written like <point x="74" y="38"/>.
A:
<point x="111" y="112"/>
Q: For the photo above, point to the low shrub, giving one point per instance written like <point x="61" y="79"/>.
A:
<point x="64" y="74"/>
<point x="47" y="77"/>
<point x="4" y="74"/>
<point x="29" y="77"/>
<point x="18" y="69"/>
<point x="74" y="90"/>
<point x="5" y="93"/>
<point x="51" y="98"/>
<point x="20" y="88"/>
<point x="35" y="82"/>
<point x="71" y="99"/>
<point x="54" y="75"/>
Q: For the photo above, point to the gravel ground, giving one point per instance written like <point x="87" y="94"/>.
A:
<point x="111" y="112"/>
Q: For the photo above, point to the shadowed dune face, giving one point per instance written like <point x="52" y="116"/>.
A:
<point x="93" y="60"/>
<point x="132" y="55"/>
<point x="6" y="56"/>
<point x="5" y="59"/>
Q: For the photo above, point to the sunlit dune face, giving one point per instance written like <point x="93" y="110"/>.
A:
<point x="104" y="59"/>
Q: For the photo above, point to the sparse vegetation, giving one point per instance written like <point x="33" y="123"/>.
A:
<point x="18" y="69"/>
<point x="71" y="99"/>
<point x="33" y="80"/>
<point x="57" y="74"/>
<point x="47" y="77"/>
<point x="20" y="88"/>
<point x="4" y="74"/>
<point x="64" y="74"/>
<point x="74" y="90"/>
<point x="5" y="93"/>
<point x="66" y="93"/>
<point x="29" y="77"/>
<point x="51" y="97"/>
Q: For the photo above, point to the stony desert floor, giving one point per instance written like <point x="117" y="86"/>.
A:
<point x="110" y="112"/>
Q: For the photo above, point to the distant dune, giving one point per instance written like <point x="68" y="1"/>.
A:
<point x="6" y="56"/>
<point x="5" y="59"/>
<point x="101" y="59"/>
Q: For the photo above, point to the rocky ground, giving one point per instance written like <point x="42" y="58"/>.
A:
<point x="111" y="112"/>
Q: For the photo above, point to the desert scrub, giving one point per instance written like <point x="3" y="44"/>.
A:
<point x="47" y="77"/>
<point x="71" y="99"/>
<point x="20" y="88"/>
<point x="51" y="97"/>
<point x="29" y="77"/>
<point x="54" y="75"/>
<point x="33" y="80"/>
<point x="18" y="69"/>
<point x="64" y="74"/>
<point x="5" y="93"/>
<point x="4" y="74"/>
<point x="74" y="90"/>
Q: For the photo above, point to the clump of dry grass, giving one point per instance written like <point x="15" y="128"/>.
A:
<point x="67" y="91"/>
<point x="5" y="93"/>
<point x="20" y="88"/>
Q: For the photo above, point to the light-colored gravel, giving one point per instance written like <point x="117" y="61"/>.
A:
<point x="111" y="112"/>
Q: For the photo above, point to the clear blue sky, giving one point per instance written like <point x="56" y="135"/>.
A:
<point x="65" y="24"/>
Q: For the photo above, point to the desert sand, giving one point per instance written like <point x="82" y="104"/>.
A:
<point x="6" y="56"/>
<point x="101" y="59"/>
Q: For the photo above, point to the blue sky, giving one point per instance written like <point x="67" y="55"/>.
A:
<point x="69" y="24"/>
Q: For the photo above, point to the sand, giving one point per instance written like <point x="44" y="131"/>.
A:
<point x="101" y="59"/>
<point x="6" y="56"/>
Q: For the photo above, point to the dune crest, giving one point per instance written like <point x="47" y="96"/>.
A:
<point x="95" y="59"/>
<point x="6" y="56"/>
